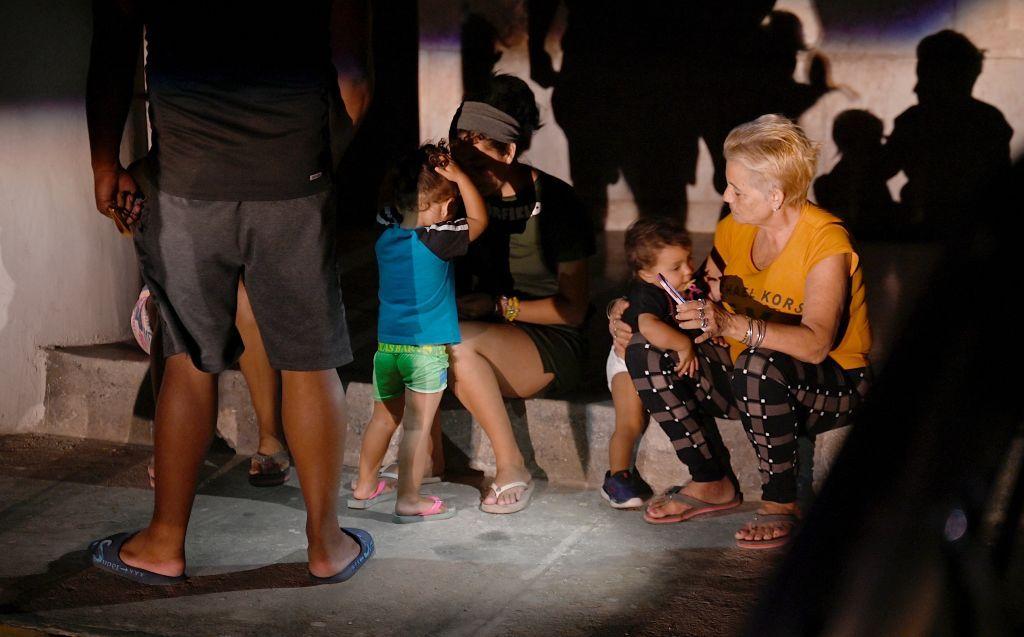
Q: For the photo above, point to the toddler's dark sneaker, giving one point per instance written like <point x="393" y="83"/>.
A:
<point x="625" y="489"/>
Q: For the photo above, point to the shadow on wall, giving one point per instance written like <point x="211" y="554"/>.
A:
<point x="640" y="83"/>
<point x="44" y="58"/>
<point x="856" y="189"/>
<point x="952" y="148"/>
<point x="390" y="126"/>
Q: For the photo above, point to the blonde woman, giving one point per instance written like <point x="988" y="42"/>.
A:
<point x="788" y="297"/>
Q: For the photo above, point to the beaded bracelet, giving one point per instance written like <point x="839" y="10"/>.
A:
<point x="511" y="308"/>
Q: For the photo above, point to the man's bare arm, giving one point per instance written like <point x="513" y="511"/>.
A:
<point x="117" y="36"/>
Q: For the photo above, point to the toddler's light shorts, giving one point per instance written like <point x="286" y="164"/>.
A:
<point x="614" y="365"/>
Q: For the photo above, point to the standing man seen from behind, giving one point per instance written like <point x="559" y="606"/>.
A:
<point x="240" y="97"/>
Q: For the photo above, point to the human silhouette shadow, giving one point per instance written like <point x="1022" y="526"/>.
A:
<point x="855" y="189"/>
<point x="750" y="55"/>
<point x="950" y="145"/>
<point x="479" y="55"/>
<point x="622" y="97"/>
<point x="641" y="82"/>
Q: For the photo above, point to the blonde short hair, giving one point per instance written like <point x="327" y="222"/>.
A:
<point x="777" y="150"/>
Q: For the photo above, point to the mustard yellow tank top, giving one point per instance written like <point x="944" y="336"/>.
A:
<point x="776" y="293"/>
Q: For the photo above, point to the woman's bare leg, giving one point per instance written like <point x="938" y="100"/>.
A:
<point x="313" y="406"/>
<point x="412" y="453"/>
<point x="493" y="361"/>
<point x="376" y="438"/>
<point x="263" y="381"/>
<point x="630" y="422"/>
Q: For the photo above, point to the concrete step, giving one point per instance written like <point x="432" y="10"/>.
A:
<point x="102" y="393"/>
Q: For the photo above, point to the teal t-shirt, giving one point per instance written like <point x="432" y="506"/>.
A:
<point x="417" y="281"/>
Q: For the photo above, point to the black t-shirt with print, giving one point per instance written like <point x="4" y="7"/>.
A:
<point x="525" y="240"/>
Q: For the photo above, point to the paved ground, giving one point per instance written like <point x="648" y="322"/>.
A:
<point x="568" y="565"/>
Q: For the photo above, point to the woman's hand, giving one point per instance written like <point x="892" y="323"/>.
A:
<point x="708" y="317"/>
<point x="475" y="306"/>
<point x="620" y="331"/>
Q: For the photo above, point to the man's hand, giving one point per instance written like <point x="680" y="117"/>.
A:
<point x="118" y="197"/>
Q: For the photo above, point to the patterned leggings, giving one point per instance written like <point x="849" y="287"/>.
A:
<point x="775" y="396"/>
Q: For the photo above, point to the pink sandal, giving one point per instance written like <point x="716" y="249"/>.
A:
<point x="432" y="514"/>
<point x="379" y="495"/>
<point x="697" y="507"/>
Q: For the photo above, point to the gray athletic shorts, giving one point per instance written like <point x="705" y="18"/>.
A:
<point x="192" y="254"/>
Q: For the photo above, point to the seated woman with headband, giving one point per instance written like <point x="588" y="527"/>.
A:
<point x="525" y="289"/>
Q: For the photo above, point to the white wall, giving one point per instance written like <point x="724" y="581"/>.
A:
<point x="876" y="71"/>
<point x="66" y="276"/>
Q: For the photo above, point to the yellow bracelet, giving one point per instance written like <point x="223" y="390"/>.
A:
<point x="512" y="309"/>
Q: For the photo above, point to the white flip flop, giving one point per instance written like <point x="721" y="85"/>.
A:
<point x="514" y="507"/>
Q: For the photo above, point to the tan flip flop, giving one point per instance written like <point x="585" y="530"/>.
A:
<point x="516" y="506"/>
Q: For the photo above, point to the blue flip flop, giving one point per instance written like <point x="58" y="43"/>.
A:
<point x="106" y="555"/>
<point x="365" y="541"/>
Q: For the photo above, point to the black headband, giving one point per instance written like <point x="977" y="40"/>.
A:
<point x="488" y="120"/>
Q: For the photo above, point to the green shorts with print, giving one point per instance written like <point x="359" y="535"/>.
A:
<point x="421" y="368"/>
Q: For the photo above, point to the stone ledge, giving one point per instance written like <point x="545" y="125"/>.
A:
<point x="564" y="441"/>
<point x="102" y="392"/>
